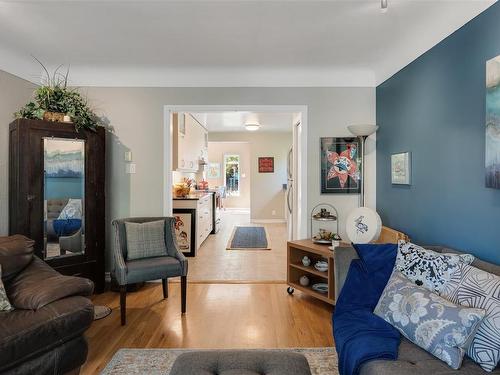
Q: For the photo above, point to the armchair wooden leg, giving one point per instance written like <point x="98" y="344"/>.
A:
<point x="183" y="293"/>
<point x="165" y="287"/>
<point x="123" y="304"/>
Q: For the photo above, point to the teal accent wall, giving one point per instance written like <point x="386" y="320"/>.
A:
<point x="435" y="108"/>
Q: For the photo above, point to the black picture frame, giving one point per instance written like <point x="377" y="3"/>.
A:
<point x="192" y="240"/>
<point x="341" y="165"/>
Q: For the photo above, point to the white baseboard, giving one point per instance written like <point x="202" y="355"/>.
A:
<point x="268" y="221"/>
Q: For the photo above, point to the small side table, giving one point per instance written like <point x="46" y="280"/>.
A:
<point x="296" y="250"/>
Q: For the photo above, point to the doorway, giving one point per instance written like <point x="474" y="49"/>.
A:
<point x="298" y="216"/>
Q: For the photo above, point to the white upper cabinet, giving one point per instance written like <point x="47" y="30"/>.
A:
<point x="190" y="143"/>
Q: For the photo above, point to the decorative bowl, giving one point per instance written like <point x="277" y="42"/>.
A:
<point x="320" y="287"/>
<point x="321" y="266"/>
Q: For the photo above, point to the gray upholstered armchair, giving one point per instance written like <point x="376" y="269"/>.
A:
<point x="146" y="269"/>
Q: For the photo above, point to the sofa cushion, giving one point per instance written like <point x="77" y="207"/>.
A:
<point x="472" y="287"/>
<point x="433" y="323"/>
<point x="26" y="334"/>
<point x="152" y="269"/>
<point x="4" y="301"/>
<point x="241" y="362"/>
<point x="16" y="252"/>
<point x="145" y="240"/>
<point x="39" y="284"/>
<point x="414" y="360"/>
<point x="426" y="267"/>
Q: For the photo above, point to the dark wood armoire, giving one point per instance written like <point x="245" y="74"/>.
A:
<point x="56" y="194"/>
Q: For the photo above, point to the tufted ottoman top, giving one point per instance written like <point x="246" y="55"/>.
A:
<point x="240" y="362"/>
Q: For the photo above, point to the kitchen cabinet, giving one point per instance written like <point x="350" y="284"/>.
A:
<point x="190" y="143"/>
<point x="201" y="205"/>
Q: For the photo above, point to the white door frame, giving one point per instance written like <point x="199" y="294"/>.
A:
<point x="300" y="218"/>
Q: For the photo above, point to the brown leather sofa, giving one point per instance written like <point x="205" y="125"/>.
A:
<point x="43" y="334"/>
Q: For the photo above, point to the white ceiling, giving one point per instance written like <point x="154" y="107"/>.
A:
<point x="235" y="121"/>
<point x="225" y="43"/>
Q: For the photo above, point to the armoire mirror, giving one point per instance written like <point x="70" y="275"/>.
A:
<point x="64" y="194"/>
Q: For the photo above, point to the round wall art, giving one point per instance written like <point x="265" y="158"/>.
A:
<point x="363" y="225"/>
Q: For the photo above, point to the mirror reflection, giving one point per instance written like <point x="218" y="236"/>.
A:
<point x="64" y="185"/>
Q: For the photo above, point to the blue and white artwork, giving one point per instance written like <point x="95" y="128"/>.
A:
<point x="493" y="123"/>
<point x="63" y="158"/>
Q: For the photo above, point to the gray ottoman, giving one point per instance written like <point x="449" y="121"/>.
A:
<point x="240" y="362"/>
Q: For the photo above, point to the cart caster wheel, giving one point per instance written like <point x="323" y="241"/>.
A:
<point x="290" y="290"/>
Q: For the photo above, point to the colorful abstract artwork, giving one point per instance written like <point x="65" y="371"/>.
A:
<point x="493" y="123"/>
<point x="340" y="166"/>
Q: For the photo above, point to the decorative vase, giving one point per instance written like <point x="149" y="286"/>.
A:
<point x="53" y="116"/>
<point x="306" y="261"/>
<point x="304" y="281"/>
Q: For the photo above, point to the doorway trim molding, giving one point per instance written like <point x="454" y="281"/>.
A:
<point x="301" y="214"/>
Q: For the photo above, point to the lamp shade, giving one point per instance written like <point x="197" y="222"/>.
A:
<point x="362" y="130"/>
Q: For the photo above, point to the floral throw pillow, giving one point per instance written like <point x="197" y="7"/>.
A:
<point x="428" y="268"/>
<point x="472" y="287"/>
<point x="429" y="321"/>
<point x="4" y="301"/>
<point x="72" y="210"/>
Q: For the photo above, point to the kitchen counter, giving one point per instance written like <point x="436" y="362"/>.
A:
<point x="194" y="196"/>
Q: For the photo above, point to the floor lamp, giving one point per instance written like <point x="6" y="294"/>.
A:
<point x="362" y="131"/>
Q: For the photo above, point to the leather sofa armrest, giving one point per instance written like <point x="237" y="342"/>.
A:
<point x="342" y="258"/>
<point x="39" y="284"/>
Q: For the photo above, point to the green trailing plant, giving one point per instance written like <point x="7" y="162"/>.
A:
<point x="54" y="95"/>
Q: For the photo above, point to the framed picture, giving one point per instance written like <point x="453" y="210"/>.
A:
<point x="492" y="151"/>
<point x="213" y="170"/>
<point x="401" y="168"/>
<point x="266" y="164"/>
<point x="185" y="224"/>
<point x="340" y="165"/>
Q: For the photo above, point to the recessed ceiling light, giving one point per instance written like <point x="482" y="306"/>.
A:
<point x="252" y="127"/>
<point x="383" y="6"/>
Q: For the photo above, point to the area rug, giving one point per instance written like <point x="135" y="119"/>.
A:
<point x="101" y="312"/>
<point x="322" y="361"/>
<point x="248" y="238"/>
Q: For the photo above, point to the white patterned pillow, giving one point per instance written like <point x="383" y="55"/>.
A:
<point x="4" y="301"/>
<point x="428" y="268"/>
<point x="472" y="287"/>
<point x="429" y="321"/>
<point x="72" y="210"/>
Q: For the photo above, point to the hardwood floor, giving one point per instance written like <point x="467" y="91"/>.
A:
<point x="218" y="316"/>
<point x="214" y="263"/>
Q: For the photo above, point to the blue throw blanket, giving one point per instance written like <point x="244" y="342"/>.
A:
<point x="361" y="336"/>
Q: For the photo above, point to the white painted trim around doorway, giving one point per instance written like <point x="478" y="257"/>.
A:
<point x="301" y="218"/>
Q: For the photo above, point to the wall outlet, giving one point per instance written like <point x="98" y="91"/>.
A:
<point x="128" y="155"/>
<point x="130" y="168"/>
<point x="273" y="212"/>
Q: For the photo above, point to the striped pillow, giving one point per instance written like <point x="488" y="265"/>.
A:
<point x="4" y="301"/>
<point x="472" y="287"/>
<point x="145" y="240"/>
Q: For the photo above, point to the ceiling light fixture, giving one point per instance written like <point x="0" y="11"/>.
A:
<point x="252" y="126"/>
<point x="383" y="6"/>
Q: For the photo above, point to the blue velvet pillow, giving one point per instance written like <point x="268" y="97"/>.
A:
<point x="377" y="256"/>
<point x="66" y="227"/>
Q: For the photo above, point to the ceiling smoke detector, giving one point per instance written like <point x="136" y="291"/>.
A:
<point x="252" y="126"/>
<point x="383" y="6"/>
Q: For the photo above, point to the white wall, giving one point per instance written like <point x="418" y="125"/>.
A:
<point x="136" y="118"/>
<point x="216" y="152"/>
<point x="266" y="189"/>
<point x="14" y="93"/>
